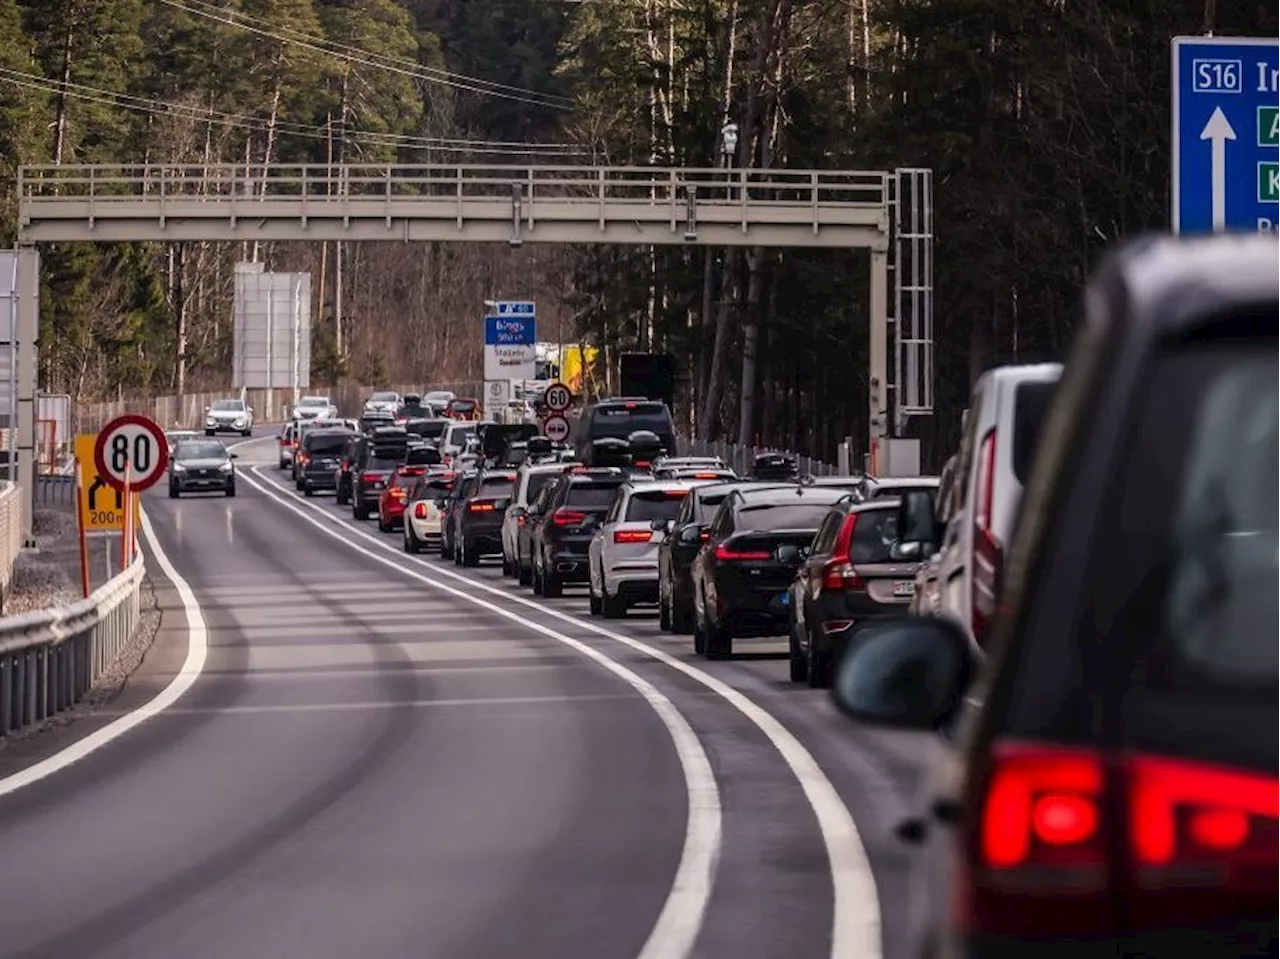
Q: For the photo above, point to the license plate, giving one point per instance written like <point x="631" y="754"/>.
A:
<point x="784" y="599"/>
<point x="904" y="587"/>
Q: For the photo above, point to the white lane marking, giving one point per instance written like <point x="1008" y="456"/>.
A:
<point x="375" y="705"/>
<point x="197" y="652"/>
<point x="676" y="930"/>
<point x="856" y="913"/>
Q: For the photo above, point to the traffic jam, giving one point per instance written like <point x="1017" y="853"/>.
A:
<point x="1080" y="605"/>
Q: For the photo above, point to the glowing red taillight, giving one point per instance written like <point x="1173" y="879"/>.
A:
<point x="568" y="517"/>
<point x="727" y="554"/>
<point x="420" y="510"/>
<point x="839" y="573"/>
<point x="632" y="535"/>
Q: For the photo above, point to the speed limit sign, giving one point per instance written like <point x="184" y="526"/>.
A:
<point x="557" y="397"/>
<point x="134" y="446"/>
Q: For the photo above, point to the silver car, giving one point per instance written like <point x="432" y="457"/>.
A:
<point x="228" y="416"/>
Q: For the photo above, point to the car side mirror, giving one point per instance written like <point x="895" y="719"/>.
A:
<point x="788" y="553"/>
<point x="918" y="521"/>
<point x="911" y="674"/>
<point x="442" y="502"/>
<point x="251" y="411"/>
<point x="660" y="525"/>
<point x="691" y="535"/>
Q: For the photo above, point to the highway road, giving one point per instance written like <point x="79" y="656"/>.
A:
<point x="384" y="756"/>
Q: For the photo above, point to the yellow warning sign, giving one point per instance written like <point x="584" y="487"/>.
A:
<point x="101" y="505"/>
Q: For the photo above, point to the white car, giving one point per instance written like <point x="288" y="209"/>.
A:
<point x="314" y="407"/>
<point x="530" y="479"/>
<point x="453" y="441"/>
<point x="228" y="416"/>
<point x="424" y="513"/>
<point x="622" y="559"/>
<point x="383" y="401"/>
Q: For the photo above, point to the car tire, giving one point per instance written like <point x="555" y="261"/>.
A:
<point x="248" y="432"/>
<point x="551" y="585"/>
<point x="284" y="465"/>
<point x="209" y="432"/>
<point x="524" y="575"/>
<point x="342" y="498"/>
<point x="383" y="525"/>
<point x="360" y="512"/>
<point x="231" y="491"/>
<point x="506" y="564"/>
<point x="593" y="603"/>
<point x="307" y="490"/>
<point x="664" y="611"/>
<point x="470" y="558"/>
<point x="444" y="548"/>
<point x="681" y="615"/>
<point x="411" y="541"/>
<point x="173" y="492"/>
<point x="799" y="664"/>
<point x="817" y="666"/>
<point x="699" y="636"/>
<point x="613" y="607"/>
<point x="718" y="640"/>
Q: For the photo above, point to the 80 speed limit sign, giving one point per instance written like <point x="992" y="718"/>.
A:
<point x="134" y="446"/>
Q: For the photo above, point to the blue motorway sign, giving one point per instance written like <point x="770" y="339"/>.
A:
<point x="1226" y="134"/>
<point x="510" y="331"/>
<point x="515" y="308"/>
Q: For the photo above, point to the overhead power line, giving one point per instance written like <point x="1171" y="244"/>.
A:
<point x="151" y="106"/>
<point x="418" y="72"/>
<point x="408" y="62"/>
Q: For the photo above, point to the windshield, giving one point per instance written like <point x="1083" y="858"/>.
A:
<point x="383" y="398"/>
<point x="873" y="533"/>
<point x="706" y="507"/>
<point x="200" y="450"/>
<point x="325" y="445"/>
<point x="314" y="401"/>
<point x="228" y="405"/>
<point x="655" y="504"/>
<point x="766" y="516"/>
<point x="1031" y="406"/>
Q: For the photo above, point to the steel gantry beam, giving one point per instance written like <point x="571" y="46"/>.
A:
<point x="512" y="204"/>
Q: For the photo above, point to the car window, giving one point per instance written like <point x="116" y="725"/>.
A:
<point x="499" y="485"/>
<point x="1030" y="408"/>
<point x="383" y="397"/>
<point x="593" y="495"/>
<point x="645" y="507"/>
<point x="824" y="540"/>
<point x="537" y="481"/>
<point x="873" y="534"/>
<point x="421" y="456"/>
<point x="200" y="450"/>
<point x="707" y="505"/>
<point x="380" y="463"/>
<point x="228" y="405"/>
<point x="325" y="445"/>
<point x="766" y="516"/>
<point x="897" y="492"/>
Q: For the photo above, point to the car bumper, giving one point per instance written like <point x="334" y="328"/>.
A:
<point x="203" y="484"/>
<point x="225" y="427"/>
<point x="636" y="585"/>
<point x="426" y="530"/>
<point x="570" y="567"/>
<point x="320" y="479"/>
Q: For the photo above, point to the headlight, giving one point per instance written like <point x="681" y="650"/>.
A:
<point x="179" y="468"/>
<point x="210" y="422"/>
<point x="239" y="422"/>
<point x="225" y="467"/>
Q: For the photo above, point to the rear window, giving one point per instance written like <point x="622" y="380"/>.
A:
<point x="458" y="434"/>
<point x="1030" y="407"/>
<point x="656" y="504"/>
<point x="622" y="420"/>
<point x="382" y="464"/>
<point x="591" y="494"/>
<point x="897" y="492"/>
<point x="873" y="534"/>
<point x="327" y="445"/>
<point x="429" y="428"/>
<point x="495" y="485"/>
<point x="422" y="456"/>
<point x="781" y="516"/>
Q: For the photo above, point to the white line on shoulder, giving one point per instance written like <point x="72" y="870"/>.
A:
<point x="676" y="930"/>
<point x="856" y="913"/>
<point x="197" y="650"/>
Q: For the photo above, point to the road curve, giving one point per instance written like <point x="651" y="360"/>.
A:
<point x="381" y="760"/>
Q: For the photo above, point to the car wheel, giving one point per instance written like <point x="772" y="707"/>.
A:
<point x="551" y="585"/>
<point x="383" y="525"/>
<point x="524" y="575"/>
<point x="699" y="635"/>
<point x="231" y="490"/>
<point x="444" y="547"/>
<point x="360" y="512"/>
<point x="284" y="465"/>
<point x="411" y="542"/>
<point x="208" y="432"/>
<point x="816" y="667"/>
<point x="307" y="490"/>
<point x="799" y="664"/>
<point x="681" y="614"/>
<point x="664" y="612"/>
<point x="248" y="432"/>
<point x="613" y="607"/>
<point x="173" y="491"/>
<point x="718" y="641"/>
<point x="593" y="603"/>
<point x="470" y="557"/>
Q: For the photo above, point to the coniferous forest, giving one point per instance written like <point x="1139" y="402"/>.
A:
<point x="1046" y="123"/>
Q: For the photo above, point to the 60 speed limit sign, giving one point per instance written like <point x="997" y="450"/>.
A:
<point x="132" y="445"/>
<point x="557" y="398"/>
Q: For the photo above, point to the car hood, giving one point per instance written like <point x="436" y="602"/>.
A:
<point x="201" y="464"/>
<point x="227" y="414"/>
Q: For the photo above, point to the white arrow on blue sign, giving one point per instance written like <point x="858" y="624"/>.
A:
<point x="1226" y="134"/>
<point x="515" y="308"/>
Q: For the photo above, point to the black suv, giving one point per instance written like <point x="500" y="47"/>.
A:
<point x="565" y="527"/>
<point x="1108" y="785"/>
<point x="317" y="459"/>
<point x="617" y="418"/>
<point x="376" y="459"/>
<point x="476" y="518"/>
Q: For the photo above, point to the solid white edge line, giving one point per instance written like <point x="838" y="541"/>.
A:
<point x="676" y="930"/>
<point x="197" y="652"/>
<point x="856" y="930"/>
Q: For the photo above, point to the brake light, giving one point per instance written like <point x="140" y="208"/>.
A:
<point x="420" y="510"/>
<point x="677" y="493"/>
<point x="988" y="553"/>
<point x="838" y="573"/>
<point x="371" y="478"/>
<point x="397" y="492"/>
<point x="568" y="517"/>
<point x="642" y="464"/>
<point x="481" y="506"/>
<point x="727" y="554"/>
<point x="521" y="519"/>
<point x="1071" y="841"/>
<point x="706" y="475"/>
<point x="632" y="535"/>
<point x="704" y="536"/>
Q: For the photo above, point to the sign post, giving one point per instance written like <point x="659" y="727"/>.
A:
<point x="1226" y="134"/>
<point x="81" y="531"/>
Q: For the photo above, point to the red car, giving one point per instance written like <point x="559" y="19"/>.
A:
<point x="463" y="408"/>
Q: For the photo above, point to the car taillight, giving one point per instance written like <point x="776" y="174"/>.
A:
<point x="521" y="519"/>
<point x="706" y="476"/>
<point x="1070" y="841"/>
<point x="481" y="506"/>
<point x="371" y="478"/>
<point x="838" y="572"/>
<point x="988" y="552"/>
<point x="704" y="536"/>
<point x="397" y="492"/>
<point x="568" y="517"/>
<point x="413" y="471"/>
<point x="420" y="510"/>
<point x="632" y="535"/>
<point x="727" y="554"/>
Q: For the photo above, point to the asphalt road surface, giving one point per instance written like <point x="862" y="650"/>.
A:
<point x="384" y="756"/>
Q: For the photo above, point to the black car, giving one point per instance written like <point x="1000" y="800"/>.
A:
<point x="201" y="466"/>
<point x="411" y="408"/>
<point x="741" y="578"/>
<point x="1107" y="784"/>
<point x="856" y="574"/>
<point x="318" y="459"/>
<point x="527" y="531"/>
<point x="618" y="418"/>
<point x="477" y="517"/>
<point x="680" y="547"/>
<point x="563" y="535"/>
<point x="463" y="485"/>
<point x="376" y="459"/>
<point x="426" y="427"/>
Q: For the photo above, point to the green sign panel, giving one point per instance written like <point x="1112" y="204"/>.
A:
<point x="1268" y="182"/>
<point x="1268" y="126"/>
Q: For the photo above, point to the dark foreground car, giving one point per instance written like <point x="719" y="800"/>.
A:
<point x="201" y="466"/>
<point x="1108" y="785"/>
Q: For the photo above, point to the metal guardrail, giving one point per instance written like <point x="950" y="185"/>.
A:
<point x="11" y="503"/>
<point x="741" y="458"/>
<point x="50" y="658"/>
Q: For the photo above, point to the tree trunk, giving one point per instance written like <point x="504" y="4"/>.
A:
<point x="64" y="94"/>
<point x="343" y="114"/>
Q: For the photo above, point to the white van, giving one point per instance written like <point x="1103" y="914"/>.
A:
<point x="1002" y="431"/>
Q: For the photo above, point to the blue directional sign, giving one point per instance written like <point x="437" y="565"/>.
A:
<point x="515" y="308"/>
<point x="1226" y="134"/>
<point x="510" y="331"/>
